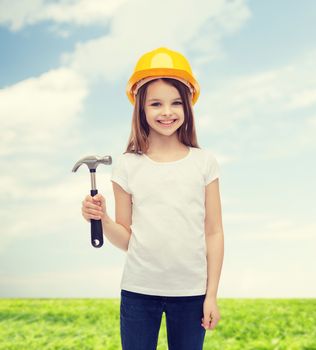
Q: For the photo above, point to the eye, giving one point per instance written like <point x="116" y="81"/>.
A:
<point x="155" y="103"/>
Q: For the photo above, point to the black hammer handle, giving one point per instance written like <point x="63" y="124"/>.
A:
<point x="96" y="228"/>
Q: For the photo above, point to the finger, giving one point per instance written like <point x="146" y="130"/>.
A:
<point x="97" y="197"/>
<point x="92" y="215"/>
<point x="95" y="210"/>
<point x="95" y="207"/>
<point x="213" y="323"/>
<point x="95" y="217"/>
<point x="90" y="205"/>
<point x="206" y="322"/>
<point x="86" y="217"/>
<point x="100" y="205"/>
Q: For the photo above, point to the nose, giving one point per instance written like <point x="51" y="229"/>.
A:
<point x="167" y="110"/>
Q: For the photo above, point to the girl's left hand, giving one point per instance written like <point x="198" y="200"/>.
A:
<point x="211" y="313"/>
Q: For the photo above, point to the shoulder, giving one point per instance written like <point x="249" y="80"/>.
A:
<point x="210" y="156"/>
<point x="126" y="159"/>
<point x="208" y="164"/>
<point x="127" y="155"/>
<point x="204" y="154"/>
<point x="130" y="156"/>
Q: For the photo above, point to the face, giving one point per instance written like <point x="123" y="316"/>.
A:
<point x="163" y="103"/>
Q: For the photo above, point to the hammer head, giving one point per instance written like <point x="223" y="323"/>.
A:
<point x="92" y="162"/>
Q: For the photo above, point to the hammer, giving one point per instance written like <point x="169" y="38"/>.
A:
<point x="96" y="225"/>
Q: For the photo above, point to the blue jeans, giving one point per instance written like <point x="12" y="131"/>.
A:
<point x="140" y="319"/>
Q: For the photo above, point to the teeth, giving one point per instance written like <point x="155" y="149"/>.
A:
<point x="166" y="122"/>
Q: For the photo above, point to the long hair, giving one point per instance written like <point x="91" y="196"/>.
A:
<point x="138" y="139"/>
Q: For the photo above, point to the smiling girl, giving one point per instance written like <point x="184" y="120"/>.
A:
<point x="167" y="209"/>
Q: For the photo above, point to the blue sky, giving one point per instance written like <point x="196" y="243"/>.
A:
<point x="64" y="67"/>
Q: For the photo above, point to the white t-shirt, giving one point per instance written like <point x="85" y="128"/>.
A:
<point x="167" y="250"/>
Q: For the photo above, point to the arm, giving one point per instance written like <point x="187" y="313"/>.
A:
<point x="214" y="237"/>
<point x="118" y="232"/>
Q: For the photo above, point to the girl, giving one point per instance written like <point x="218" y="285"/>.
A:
<point x="167" y="211"/>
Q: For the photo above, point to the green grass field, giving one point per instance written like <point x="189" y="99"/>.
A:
<point x="82" y="324"/>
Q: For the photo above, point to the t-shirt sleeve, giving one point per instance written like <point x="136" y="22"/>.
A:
<point x="119" y="173"/>
<point x="211" y="170"/>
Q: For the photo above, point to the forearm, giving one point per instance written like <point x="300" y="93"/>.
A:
<point x="215" y="255"/>
<point x="116" y="233"/>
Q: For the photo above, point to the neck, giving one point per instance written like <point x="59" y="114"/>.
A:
<point x="164" y="144"/>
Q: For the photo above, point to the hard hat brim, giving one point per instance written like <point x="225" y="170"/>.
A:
<point x="162" y="72"/>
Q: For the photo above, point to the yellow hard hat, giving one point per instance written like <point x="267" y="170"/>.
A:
<point x="162" y="63"/>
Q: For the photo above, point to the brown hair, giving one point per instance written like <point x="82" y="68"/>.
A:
<point x="138" y="139"/>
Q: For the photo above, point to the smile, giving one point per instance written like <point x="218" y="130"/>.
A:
<point x="166" y="124"/>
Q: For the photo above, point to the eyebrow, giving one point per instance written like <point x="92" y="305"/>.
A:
<point x="157" y="99"/>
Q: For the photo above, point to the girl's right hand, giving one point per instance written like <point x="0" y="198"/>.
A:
<point x="93" y="207"/>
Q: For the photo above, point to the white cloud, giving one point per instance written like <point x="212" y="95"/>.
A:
<point x="48" y="207"/>
<point x="269" y="228"/>
<point x="37" y="117"/>
<point x="198" y="29"/>
<point x="82" y="12"/>
<point x="40" y="111"/>
<point x="274" y="259"/>
<point x="311" y="121"/>
<point x="18" y="14"/>
<point x="268" y="93"/>
<point x="292" y="281"/>
<point x="93" y="282"/>
<point x="304" y="98"/>
<point x="269" y="103"/>
<point x="54" y="97"/>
